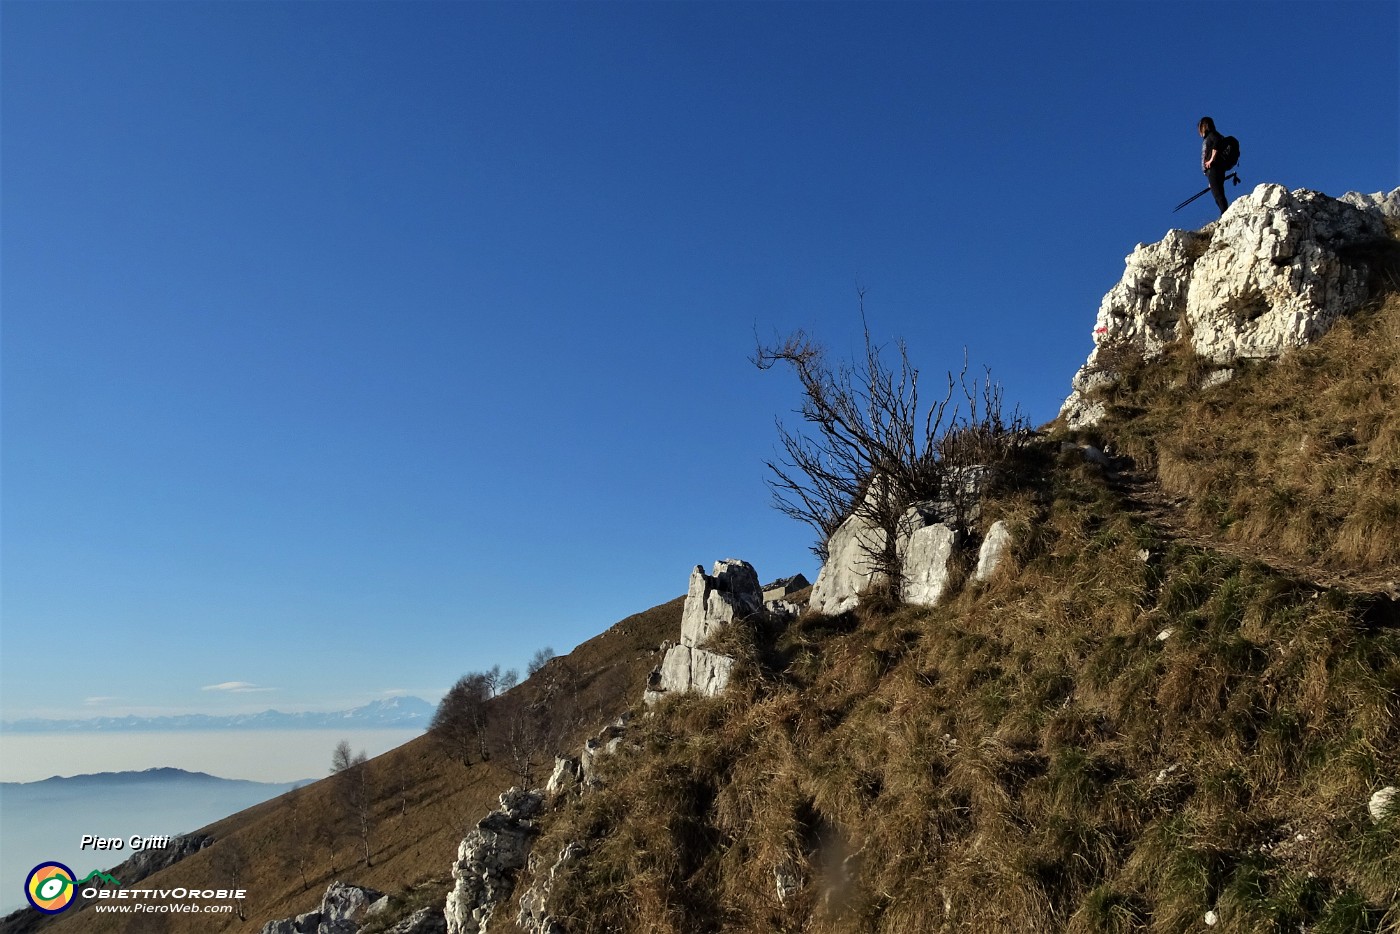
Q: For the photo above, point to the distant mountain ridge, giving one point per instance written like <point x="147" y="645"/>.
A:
<point x="394" y="712"/>
<point x="141" y="777"/>
<point x="47" y="820"/>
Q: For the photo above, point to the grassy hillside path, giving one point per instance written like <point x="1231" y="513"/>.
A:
<point x="1144" y="496"/>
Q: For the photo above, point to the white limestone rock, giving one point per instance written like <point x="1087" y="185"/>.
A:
<point x="344" y="906"/>
<point x="928" y="537"/>
<point x="301" y="924"/>
<point x="566" y="776"/>
<point x="928" y="556"/>
<point x="343" y="909"/>
<point x="422" y="921"/>
<point x="849" y="570"/>
<point x="995" y="546"/>
<point x="687" y="670"/>
<point x="488" y="859"/>
<point x="1383" y="803"/>
<point x="715" y="600"/>
<point x="1381" y="203"/>
<point x="534" y="916"/>
<point x="712" y="602"/>
<point x="1217" y="378"/>
<point x="782" y="610"/>
<point x="1266" y="277"/>
<point x="1272" y="278"/>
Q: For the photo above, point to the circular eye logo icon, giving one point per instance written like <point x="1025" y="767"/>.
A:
<point x="50" y="887"/>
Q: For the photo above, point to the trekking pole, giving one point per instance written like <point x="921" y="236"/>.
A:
<point x="1203" y="191"/>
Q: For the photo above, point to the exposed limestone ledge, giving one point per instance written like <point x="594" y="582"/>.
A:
<point x="1271" y="274"/>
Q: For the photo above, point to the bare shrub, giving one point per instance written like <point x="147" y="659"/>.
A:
<point x="875" y="445"/>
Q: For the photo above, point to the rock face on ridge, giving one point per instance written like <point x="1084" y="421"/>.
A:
<point x="343" y="910"/>
<point x="928" y="539"/>
<point x="715" y="600"/>
<point x="1269" y="275"/>
<point x="849" y="570"/>
<point x="488" y="859"/>
<point x="712" y="602"/>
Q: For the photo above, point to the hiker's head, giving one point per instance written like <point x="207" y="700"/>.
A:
<point x="1207" y="125"/>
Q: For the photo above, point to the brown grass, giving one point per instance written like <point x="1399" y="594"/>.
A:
<point x="1028" y="757"/>
<point x="1300" y="456"/>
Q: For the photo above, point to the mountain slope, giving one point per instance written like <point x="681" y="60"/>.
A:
<point x="1170" y="711"/>
<point x="1170" y="708"/>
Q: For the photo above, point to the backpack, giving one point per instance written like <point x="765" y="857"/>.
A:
<point x="1229" y="153"/>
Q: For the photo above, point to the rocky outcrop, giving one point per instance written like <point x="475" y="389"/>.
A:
<point x="1381" y="204"/>
<point x="849" y="570"/>
<point x="927" y="557"/>
<point x="929" y="536"/>
<point x="606" y="743"/>
<point x="343" y="910"/>
<point x="685" y="669"/>
<point x="534" y="916"/>
<point x="422" y="921"/>
<point x="488" y="859"/>
<point x="570" y="776"/>
<point x="784" y="588"/>
<point x="713" y="601"/>
<point x="994" y="548"/>
<point x="149" y="862"/>
<point x="928" y="541"/>
<point x="1271" y="274"/>
<point x="566" y="777"/>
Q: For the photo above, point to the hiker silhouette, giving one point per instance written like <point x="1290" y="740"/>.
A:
<point x="1216" y="160"/>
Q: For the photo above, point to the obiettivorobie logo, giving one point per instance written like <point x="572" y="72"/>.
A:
<point x="51" y="887"/>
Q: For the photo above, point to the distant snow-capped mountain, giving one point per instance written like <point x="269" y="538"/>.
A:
<point x="394" y="712"/>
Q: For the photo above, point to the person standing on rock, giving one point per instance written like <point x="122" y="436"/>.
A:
<point x="1213" y="161"/>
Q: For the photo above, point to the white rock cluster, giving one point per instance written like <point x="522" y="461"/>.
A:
<point x="576" y="775"/>
<point x="927" y="546"/>
<point x="534" y="916"/>
<point x="343" y="909"/>
<point x="1268" y="276"/>
<point x="488" y="859"/>
<point x="713" y="601"/>
<point x="570" y="776"/>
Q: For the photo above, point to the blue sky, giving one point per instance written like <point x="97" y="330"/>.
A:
<point x="350" y="347"/>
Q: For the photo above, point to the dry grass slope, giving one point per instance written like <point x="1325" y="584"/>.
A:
<point x="1028" y="757"/>
<point x="1301" y="454"/>
<point x="1122" y="731"/>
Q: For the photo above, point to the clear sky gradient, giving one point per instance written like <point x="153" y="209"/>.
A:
<point x="352" y="346"/>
